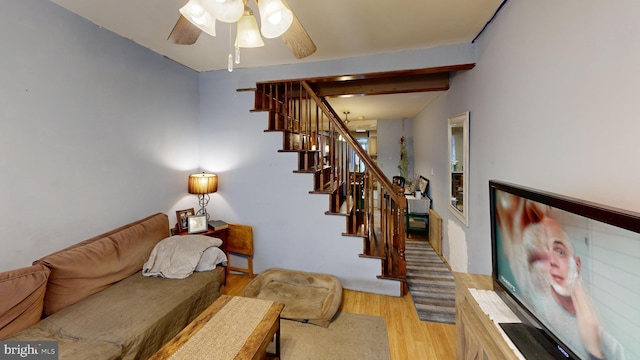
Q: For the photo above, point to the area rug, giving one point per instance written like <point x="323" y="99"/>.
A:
<point x="348" y="337"/>
<point x="430" y="282"/>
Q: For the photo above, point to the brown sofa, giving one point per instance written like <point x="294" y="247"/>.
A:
<point x="94" y="301"/>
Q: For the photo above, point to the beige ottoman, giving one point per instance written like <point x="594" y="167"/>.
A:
<point x="308" y="297"/>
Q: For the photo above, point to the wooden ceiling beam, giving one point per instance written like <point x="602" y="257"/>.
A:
<point x="382" y="85"/>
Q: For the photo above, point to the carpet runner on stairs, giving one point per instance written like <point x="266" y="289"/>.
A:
<point x="430" y="282"/>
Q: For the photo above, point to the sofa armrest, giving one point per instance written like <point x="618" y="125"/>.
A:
<point x="22" y="293"/>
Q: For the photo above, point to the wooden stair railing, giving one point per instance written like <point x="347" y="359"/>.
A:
<point x="374" y="208"/>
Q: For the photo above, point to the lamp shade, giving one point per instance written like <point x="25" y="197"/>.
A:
<point x="248" y="32"/>
<point x="203" y="183"/>
<point x="228" y="11"/>
<point x="275" y="18"/>
<point x="199" y="16"/>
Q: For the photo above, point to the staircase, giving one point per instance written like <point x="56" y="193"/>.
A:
<point x="374" y="208"/>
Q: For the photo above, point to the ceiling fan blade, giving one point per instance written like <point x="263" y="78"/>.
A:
<point x="184" y="32"/>
<point x="297" y="39"/>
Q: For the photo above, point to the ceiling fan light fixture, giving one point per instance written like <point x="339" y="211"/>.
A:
<point x="248" y="32"/>
<point x="275" y="18"/>
<point x="197" y="14"/>
<point x="228" y="11"/>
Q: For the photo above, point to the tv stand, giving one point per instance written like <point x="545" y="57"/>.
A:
<point x="476" y="335"/>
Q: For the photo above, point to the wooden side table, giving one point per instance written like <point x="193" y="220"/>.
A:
<point x="222" y="234"/>
<point x="417" y="215"/>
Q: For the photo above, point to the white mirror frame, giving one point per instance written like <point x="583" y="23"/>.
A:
<point x="460" y="120"/>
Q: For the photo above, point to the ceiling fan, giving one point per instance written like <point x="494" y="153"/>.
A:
<point x="276" y="20"/>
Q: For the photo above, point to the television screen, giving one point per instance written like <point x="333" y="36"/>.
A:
<point x="571" y="265"/>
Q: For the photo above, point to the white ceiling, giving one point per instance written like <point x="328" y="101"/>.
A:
<point x="381" y="107"/>
<point x="339" y="28"/>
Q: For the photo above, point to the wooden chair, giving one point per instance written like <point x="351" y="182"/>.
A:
<point x="240" y="242"/>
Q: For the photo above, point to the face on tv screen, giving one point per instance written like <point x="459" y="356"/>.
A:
<point x="579" y="277"/>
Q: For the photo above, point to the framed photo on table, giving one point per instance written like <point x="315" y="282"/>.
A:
<point x="197" y="224"/>
<point x="182" y="216"/>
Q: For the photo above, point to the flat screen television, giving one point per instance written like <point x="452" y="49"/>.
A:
<point x="570" y="271"/>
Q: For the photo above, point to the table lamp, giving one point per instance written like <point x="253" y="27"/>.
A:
<point x="203" y="184"/>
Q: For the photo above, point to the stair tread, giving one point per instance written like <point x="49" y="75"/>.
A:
<point x="311" y="170"/>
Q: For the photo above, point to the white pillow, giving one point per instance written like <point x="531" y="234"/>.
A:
<point x="210" y="258"/>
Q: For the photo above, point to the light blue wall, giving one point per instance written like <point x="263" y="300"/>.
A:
<point x="85" y="112"/>
<point x="95" y="131"/>
<point x="553" y="102"/>
<point x="389" y="134"/>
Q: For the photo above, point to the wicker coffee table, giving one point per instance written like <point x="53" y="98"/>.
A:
<point x="233" y="327"/>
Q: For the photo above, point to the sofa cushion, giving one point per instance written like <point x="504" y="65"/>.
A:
<point x="93" y="265"/>
<point x="139" y="314"/>
<point x="22" y="293"/>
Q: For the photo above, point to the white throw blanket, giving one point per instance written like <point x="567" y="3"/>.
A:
<point x="177" y="257"/>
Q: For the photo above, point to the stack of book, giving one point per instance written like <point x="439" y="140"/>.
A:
<point x="217" y="225"/>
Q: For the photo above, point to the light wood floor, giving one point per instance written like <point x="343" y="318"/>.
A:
<point x="409" y="338"/>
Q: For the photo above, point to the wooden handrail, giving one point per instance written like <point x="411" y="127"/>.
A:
<point x="346" y="133"/>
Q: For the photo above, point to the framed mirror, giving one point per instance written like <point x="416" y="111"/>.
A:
<point x="459" y="166"/>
